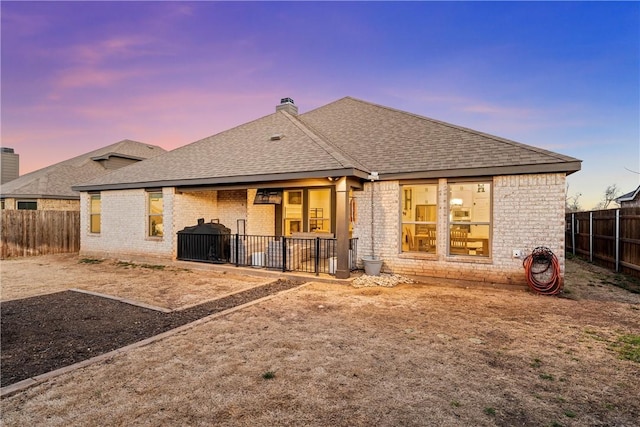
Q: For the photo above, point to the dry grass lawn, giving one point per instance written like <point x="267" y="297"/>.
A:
<point x="163" y="286"/>
<point x="334" y="355"/>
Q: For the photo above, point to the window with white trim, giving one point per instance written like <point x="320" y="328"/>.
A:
<point x="155" y="210"/>
<point x="95" y="213"/>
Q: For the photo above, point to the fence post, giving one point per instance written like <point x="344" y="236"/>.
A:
<point x="617" y="240"/>
<point x="573" y="233"/>
<point x="590" y="236"/>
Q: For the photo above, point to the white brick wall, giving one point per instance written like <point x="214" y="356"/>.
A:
<point x="232" y="206"/>
<point x="261" y="219"/>
<point x="124" y="216"/>
<point x="190" y="207"/>
<point x="124" y="226"/>
<point x="528" y="211"/>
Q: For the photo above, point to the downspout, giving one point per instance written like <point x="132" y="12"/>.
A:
<point x="373" y="177"/>
<point x="373" y="246"/>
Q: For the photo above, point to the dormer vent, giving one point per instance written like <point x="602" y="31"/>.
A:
<point x="277" y="136"/>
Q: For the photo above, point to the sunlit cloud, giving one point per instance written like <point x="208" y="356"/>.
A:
<point x="84" y="77"/>
<point x="23" y="24"/>
<point x="503" y="111"/>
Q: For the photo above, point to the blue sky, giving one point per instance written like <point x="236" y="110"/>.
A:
<point x="563" y="76"/>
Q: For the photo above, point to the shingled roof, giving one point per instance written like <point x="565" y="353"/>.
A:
<point x="348" y="137"/>
<point x="55" y="181"/>
<point x="628" y="197"/>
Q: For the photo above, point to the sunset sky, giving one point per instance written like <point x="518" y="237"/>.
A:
<point x="564" y="76"/>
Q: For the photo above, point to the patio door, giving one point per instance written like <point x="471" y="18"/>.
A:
<point x="320" y="210"/>
<point x="292" y="211"/>
<point x="307" y="210"/>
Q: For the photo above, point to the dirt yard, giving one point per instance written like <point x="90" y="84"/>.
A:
<point x="328" y="354"/>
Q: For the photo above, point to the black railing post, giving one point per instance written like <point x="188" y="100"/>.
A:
<point x="316" y="258"/>
<point x="237" y="239"/>
<point x="284" y="254"/>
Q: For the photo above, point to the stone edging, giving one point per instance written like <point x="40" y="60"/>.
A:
<point x="124" y="300"/>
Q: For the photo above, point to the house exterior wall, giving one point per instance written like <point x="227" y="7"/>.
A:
<point x="189" y="207"/>
<point x="46" y="204"/>
<point x="232" y="206"/>
<point x="528" y="211"/>
<point x="124" y="226"/>
<point x="631" y="204"/>
<point x="58" y="205"/>
<point x="261" y="219"/>
<point x="9" y="203"/>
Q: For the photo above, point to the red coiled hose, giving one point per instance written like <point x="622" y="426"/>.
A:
<point x="543" y="271"/>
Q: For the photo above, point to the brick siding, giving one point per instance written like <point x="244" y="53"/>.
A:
<point x="528" y="211"/>
<point x="46" y="204"/>
<point x="124" y="213"/>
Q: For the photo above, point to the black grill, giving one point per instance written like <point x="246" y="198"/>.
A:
<point x="205" y="242"/>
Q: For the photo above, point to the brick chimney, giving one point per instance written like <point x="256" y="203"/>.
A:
<point x="286" y="104"/>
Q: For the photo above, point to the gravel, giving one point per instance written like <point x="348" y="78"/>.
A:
<point x="384" y="280"/>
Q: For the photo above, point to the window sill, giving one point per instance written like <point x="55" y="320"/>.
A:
<point x="468" y="259"/>
<point x="418" y="255"/>
<point x="154" y="238"/>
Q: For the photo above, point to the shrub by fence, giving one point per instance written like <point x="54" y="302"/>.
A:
<point x="31" y="232"/>
<point x="610" y="238"/>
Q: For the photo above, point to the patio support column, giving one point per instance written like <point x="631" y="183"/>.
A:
<point x="342" y="228"/>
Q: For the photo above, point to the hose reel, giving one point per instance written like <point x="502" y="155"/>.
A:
<point x="543" y="271"/>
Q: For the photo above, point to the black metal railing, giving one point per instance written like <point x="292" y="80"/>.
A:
<point x="204" y="247"/>
<point x="310" y="255"/>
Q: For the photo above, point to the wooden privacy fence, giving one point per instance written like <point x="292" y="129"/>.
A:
<point x="610" y="238"/>
<point x="31" y="232"/>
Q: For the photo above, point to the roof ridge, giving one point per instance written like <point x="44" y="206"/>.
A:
<point x="321" y="140"/>
<point x="469" y="130"/>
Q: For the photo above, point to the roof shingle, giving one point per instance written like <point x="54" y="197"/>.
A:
<point x="55" y="181"/>
<point x="347" y="135"/>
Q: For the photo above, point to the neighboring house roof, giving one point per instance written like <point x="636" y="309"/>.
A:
<point x="55" y="181"/>
<point x="629" y="197"/>
<point x="347" y="137"/>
